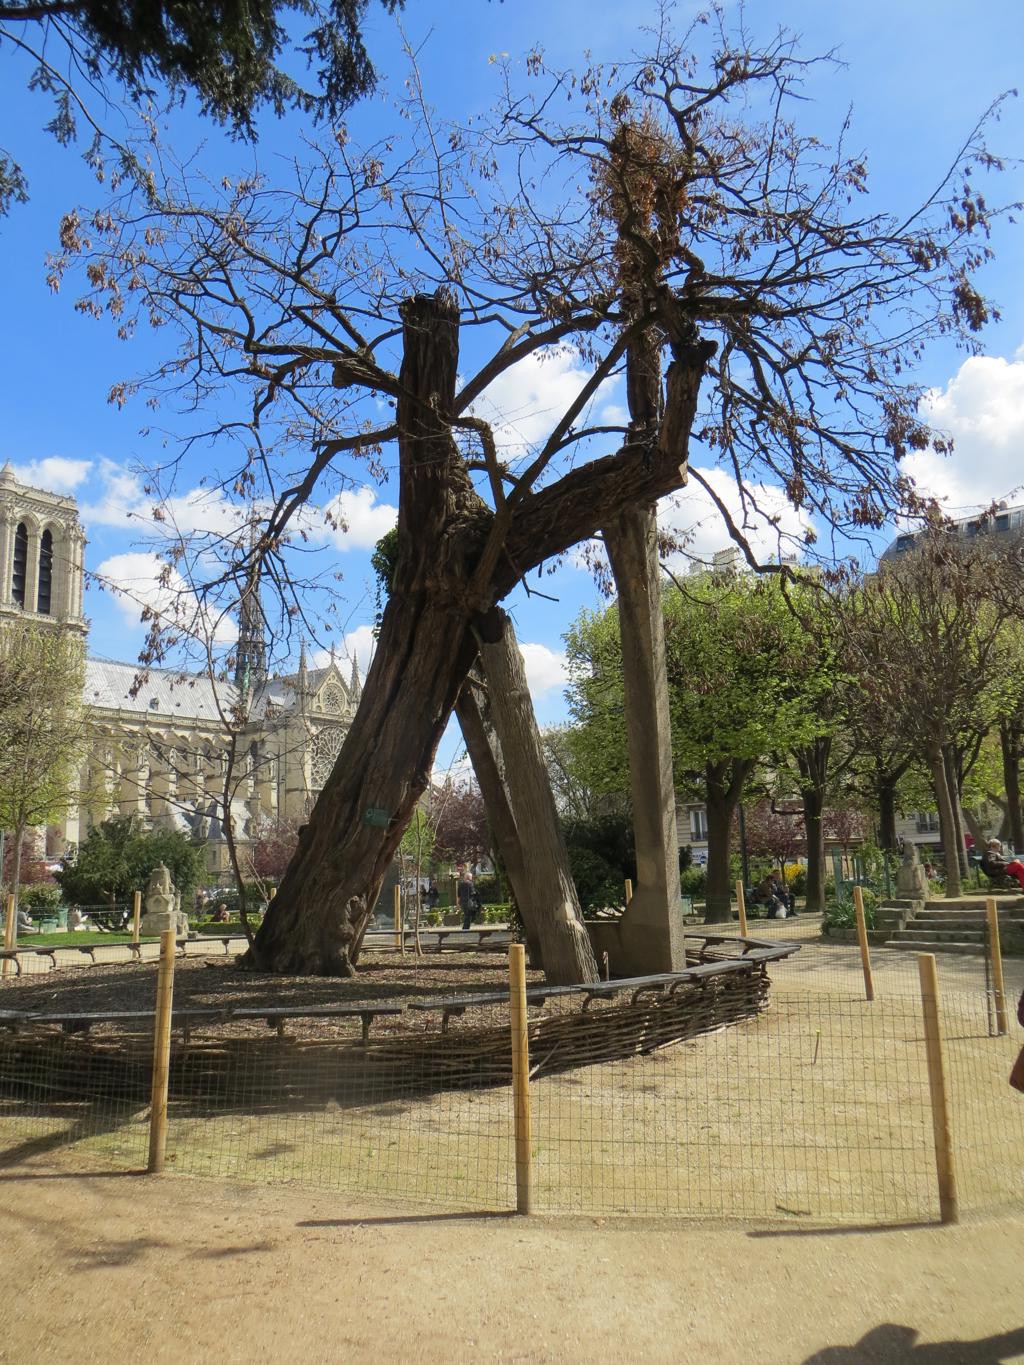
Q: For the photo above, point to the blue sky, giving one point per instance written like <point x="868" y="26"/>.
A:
<point x="916" y="75"/>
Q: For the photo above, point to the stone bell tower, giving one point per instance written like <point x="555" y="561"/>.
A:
<point x="42" y="548"/>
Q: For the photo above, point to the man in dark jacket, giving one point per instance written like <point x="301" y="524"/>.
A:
<point x="469" y="901"/>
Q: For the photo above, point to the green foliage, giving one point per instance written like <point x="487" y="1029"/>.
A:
<point x="232" y="927"/>
<point x="41" y="900"/>
<point x="235" y="58"/>
<point x="118" y="856"/>
<point x="692" y="881"/>
<point x="382" y="562"/>
<point x="840" y="912"/>
<point x="597" y="881"/>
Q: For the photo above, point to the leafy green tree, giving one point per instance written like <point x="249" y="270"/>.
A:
<point x="726" y="640"/>
<point x="118" y="856"/>
<point x="230" y="56"/>
<point x="41" y="731"/>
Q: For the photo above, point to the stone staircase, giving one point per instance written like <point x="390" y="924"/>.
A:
<point x="958" y="927"/>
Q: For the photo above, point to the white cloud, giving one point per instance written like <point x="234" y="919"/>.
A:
<point x="982" y="408"/>
<point x="54" y="474"/>
<point x="140" y="579"/>
<point x="359" y="644"/>
<point x="770" y="524"/>
<point x="525" y="402"/>
<point x="545" y="668"/>
<point x="354" y="520"/>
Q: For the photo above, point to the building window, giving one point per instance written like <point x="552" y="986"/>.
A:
<point x="927" y="822"/>
<point x="20" y="564"/>
<point x="699" y="824"/>
<point x="45" y="573"/>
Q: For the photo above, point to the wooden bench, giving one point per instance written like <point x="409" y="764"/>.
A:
<point x="276" y="1015"/>
<point x="15" y="955"/>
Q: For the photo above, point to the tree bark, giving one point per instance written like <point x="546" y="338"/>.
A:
<point x="813" y="762"/>
<point x="651" y="935"/>
<point x="456" y="559"/>
<point x="954" y="782"/>
<point x="19" y="839"/>
<point x="546" y="892"/>
<point x="315" y="923"/>
<point x="814" y="825"/>
<point x="948" y="824"/>
<point x="482" y="750"/>
<point x="1010" y="741"/>
<point x="725" y="783"/>
<point x="885" y="797"/>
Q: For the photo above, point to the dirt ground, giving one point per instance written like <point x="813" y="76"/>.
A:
<point x="118" y="1267"/>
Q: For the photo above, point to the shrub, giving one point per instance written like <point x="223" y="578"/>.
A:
<point x="841" y="914"/>
<point x="41" y="899"/>
<point x="693" y="881"/>
<point x="597" y="882"/>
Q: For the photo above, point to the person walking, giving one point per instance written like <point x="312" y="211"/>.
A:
<point x="469" y="901"/>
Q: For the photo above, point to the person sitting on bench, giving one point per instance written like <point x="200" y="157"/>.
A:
<point x="995" y="866"/>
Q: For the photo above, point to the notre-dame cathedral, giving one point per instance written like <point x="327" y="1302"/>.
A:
<point x="160" y="751"/>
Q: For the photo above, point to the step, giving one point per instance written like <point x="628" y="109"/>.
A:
<point x="927" y="946"/>
<point x="974" y="923"/>
<point x="951" y="936"/>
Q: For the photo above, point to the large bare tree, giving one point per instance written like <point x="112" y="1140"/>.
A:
<point x="671" y="216"/>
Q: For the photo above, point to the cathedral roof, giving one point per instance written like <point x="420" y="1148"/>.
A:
<point x="163" y="693"/>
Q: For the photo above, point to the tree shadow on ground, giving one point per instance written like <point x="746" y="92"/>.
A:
<point x="892" y="1342"/>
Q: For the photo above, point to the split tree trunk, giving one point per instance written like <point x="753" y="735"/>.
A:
<point x="456" y="559"/>
<point x="546" y="894"/>
<point x="948" y="824"/>
<point x="651" y="934"/>
<point x="425" y="649"/>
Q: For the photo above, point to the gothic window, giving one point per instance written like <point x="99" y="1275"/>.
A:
<point x="332" y="699"/>
<point x="323" y="751"/>
<point x="20" y="564"/>
<point x="45" y="573"/>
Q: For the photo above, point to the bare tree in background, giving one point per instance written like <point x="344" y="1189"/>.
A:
<point x="675" y="216"/>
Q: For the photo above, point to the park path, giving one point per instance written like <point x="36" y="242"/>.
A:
<point x="120" y="1267"/>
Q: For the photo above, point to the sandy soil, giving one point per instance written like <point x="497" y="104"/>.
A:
<point x="121" y="1268"/>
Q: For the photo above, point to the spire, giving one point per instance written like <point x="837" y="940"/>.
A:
<point x="251" y="656"/>
<point x="353" y="688"/>
<point x="303" y="679"/>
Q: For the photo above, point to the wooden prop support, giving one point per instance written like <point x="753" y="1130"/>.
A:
<point x="629" y="891"/>
<point x="399" y="935"/>
<point x="741" y="903"/>
<point x="949" y="1206"/>
<point x="136" y="915"/>
<point x="520" y="1075"/>
<point x="862" y="939"/>
<point x="9" y="924"/>
<point x="996" y="950"/>
<point x="161" y="1053"/>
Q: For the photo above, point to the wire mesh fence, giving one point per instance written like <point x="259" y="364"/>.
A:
<point x="806" y="1104"/>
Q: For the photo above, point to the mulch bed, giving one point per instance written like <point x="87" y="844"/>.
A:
<point x="383" y="978"/>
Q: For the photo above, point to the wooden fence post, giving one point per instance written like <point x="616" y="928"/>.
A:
<point x="399" y="934"/>
<point x="629" y="891"/>
<point x="520" y="1075"/>
<point x="136" y="915"/>
<point x="996" y="950"/>
<point x="862" y="939"/>
<point x="161" y="1052"/>
<point x="9" y="923"/>
<point x="741" y="904"/>
<point x="949" y="1206"/>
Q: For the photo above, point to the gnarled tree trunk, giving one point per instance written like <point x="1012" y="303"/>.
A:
<point x="456" y="560"/>
<point x="813" y="763"/>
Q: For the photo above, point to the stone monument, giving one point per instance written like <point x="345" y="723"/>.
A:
<point x="162" y="903"/>
<point x="911" y="881"/>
